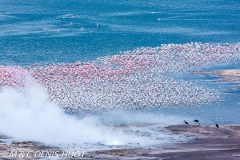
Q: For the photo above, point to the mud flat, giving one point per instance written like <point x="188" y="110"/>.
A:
<point x="205" y="143"/>
<point x="23" y="150"/>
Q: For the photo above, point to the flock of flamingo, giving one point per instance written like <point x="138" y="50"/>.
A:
<point x="130" y="80"/>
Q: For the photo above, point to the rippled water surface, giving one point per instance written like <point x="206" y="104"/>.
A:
<point x="73" y="30"/>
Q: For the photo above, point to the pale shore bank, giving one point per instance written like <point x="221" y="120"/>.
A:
<point x="229" y="75"/>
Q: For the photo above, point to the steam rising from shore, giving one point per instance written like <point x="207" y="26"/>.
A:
<point x="28" y="115"/>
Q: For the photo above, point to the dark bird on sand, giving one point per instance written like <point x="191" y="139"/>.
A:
<point x="217" y="125"/>
<point x="196" y="121"/>
<point x="186" y="122"/>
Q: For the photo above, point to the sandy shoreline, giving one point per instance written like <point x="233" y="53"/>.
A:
<point x="205" y="143"/>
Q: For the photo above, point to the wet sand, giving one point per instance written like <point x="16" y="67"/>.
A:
<point x="203" y="143"/>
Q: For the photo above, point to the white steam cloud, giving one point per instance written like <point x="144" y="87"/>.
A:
<point x="28" y="115"/>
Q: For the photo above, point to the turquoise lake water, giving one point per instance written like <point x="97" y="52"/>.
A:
<point x="66" y="31"/>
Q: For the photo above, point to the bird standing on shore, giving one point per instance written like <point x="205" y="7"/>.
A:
<point x="196" y="121"/>
<point x="186" y="122"/>
<point x="217" y="125"/>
